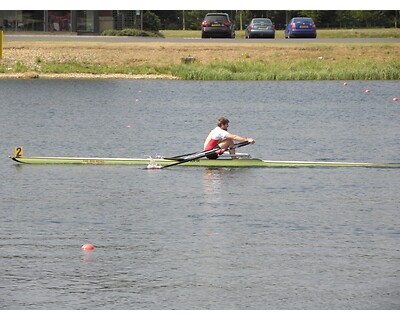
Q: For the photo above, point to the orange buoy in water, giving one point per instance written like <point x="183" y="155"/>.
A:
<point x="87" y="247"/>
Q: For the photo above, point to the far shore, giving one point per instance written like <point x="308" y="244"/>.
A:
<point x="290" y="60"/>
<point x="34" y="75"/>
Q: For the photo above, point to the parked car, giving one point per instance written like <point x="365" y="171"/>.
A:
<point x="260" y="28"/>
<point x="301" y="27"/>
<point x="217" y="25"/>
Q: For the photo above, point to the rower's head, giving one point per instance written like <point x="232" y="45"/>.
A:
<point x="223" y="122"/>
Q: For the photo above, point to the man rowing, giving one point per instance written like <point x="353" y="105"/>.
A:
<point x="219" y="138"/>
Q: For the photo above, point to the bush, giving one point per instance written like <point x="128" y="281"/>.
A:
<point x="110" y="32"/>
<point x="151" y="21"/>
<point x="132" y="33"/>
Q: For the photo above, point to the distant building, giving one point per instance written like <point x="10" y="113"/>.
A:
<point x="68" y="21"/>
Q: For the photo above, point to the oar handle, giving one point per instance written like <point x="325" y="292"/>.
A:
<point x="237" y="145"/>
<point x="242" y="144"/>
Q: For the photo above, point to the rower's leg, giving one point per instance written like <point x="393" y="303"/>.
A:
<point x="228" y="144"/>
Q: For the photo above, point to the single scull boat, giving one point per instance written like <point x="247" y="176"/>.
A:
<point x="224" y="161"/>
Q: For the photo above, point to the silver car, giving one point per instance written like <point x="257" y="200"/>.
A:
<point x="260" y="28"/>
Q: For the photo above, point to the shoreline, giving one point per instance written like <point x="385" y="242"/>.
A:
<point x="66" y="76"/>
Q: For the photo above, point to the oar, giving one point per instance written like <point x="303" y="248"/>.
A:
<point x="203" y="154"/>
<point x="183" y="155"/>
<point x="197" y="152"/>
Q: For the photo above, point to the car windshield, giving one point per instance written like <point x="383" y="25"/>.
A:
<point x="263" y="22"/>
<point x="216" y="18"/>
<point x="305" y="20"/>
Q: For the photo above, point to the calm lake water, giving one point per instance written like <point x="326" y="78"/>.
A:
<point x="194" y="238"/>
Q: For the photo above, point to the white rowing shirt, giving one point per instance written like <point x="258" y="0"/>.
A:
<point x="214" y="137"/>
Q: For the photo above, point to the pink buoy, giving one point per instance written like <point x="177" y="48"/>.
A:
<point x="87" y="247"/>
<point x="395" y="99"/>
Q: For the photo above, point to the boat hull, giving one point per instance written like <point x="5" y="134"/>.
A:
<point x="226" y="163"/>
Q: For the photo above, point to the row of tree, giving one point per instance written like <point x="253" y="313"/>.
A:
<point x="191" y="20"/>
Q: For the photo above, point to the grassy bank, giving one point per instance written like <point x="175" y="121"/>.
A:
<point x="202" y="61"/>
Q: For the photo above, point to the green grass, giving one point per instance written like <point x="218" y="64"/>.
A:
<point x="20" y="67"/>
<point x="77" y="67"/>
<point x="306" y="69"/>
<point x="303" y="70"/>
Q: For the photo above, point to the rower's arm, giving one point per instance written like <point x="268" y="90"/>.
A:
<point x="236" y="137"/>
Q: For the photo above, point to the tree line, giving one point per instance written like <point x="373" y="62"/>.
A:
<point x="333" y="19"/>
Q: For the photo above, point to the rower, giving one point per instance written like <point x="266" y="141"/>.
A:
<point x="220" y="138"/>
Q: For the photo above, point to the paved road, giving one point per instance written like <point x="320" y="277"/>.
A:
<point x="186" y="40"/>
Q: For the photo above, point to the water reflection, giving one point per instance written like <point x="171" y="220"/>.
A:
<point x="212" y="184"/>
<point x="219" y="185"/>
<point x="86" y="257"/>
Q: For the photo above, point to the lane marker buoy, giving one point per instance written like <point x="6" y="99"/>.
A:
<point x="87" y="247"/>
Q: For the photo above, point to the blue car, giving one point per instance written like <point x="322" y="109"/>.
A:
<point x="301" y="28"/>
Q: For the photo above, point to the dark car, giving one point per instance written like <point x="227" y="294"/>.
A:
<point x="301" y="28"/>
<point x="260" y="28"/>
<point x="217" y="25"/>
